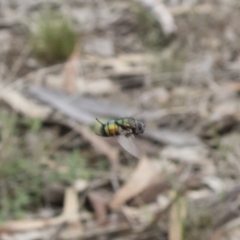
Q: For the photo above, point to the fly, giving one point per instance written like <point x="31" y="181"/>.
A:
<point x="121" y="126"/>
<point x="126" y="129"/>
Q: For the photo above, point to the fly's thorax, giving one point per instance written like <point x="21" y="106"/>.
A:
<point x="126" y="122"/>
<point x="131" y="125"/>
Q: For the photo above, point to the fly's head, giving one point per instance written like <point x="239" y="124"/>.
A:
<point x="140" y="127"/>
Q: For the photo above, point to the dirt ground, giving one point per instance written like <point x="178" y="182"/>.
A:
<point x="172" y="64"/>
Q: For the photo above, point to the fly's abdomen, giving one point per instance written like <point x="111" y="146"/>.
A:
<point x="111" y="129"/>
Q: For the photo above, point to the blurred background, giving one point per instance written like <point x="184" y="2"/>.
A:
<point x="174" y="64"/>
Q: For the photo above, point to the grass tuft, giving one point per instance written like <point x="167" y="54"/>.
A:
<point x="52" y="37"/>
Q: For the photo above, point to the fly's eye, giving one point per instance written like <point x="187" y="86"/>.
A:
<point x="141" y="127"/>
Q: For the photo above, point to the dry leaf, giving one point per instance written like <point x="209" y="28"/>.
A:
<point x="170" y="137"/>
<point x="229" y="230"/>
<point x="23" y="105"/>
<point x="30" y="235"/>
<point x="140" y="179"/>
<point x="70" y="215"/>
<point x="232" y="86"/>
<point x="126" y="65"/>
<point x="186" y="154"/>
<point x="80" y="185"/>
<point x="81" y="108"/>
<point x="215" y="183"/>
<point x="151" y="193"/>
<point x="99" y="200"/>
<point x="70" y="71"/>
<point x="203" y="8"/>
<point x="29" y="225"/>
<point x="71" y="204"/>
<point x="62" y="103"/>
<point x="178" y="214"/>
<point x="139" y="217"/>
<point x="98" y="86"/>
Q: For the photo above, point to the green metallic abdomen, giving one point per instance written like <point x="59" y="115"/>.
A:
<point x="111" y="128"/>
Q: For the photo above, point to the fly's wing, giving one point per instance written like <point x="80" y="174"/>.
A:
<point x="129" y="145"/>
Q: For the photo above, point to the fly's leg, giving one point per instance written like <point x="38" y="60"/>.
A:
<point x="129" y="133"/>
<point x="99" y="121"/>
